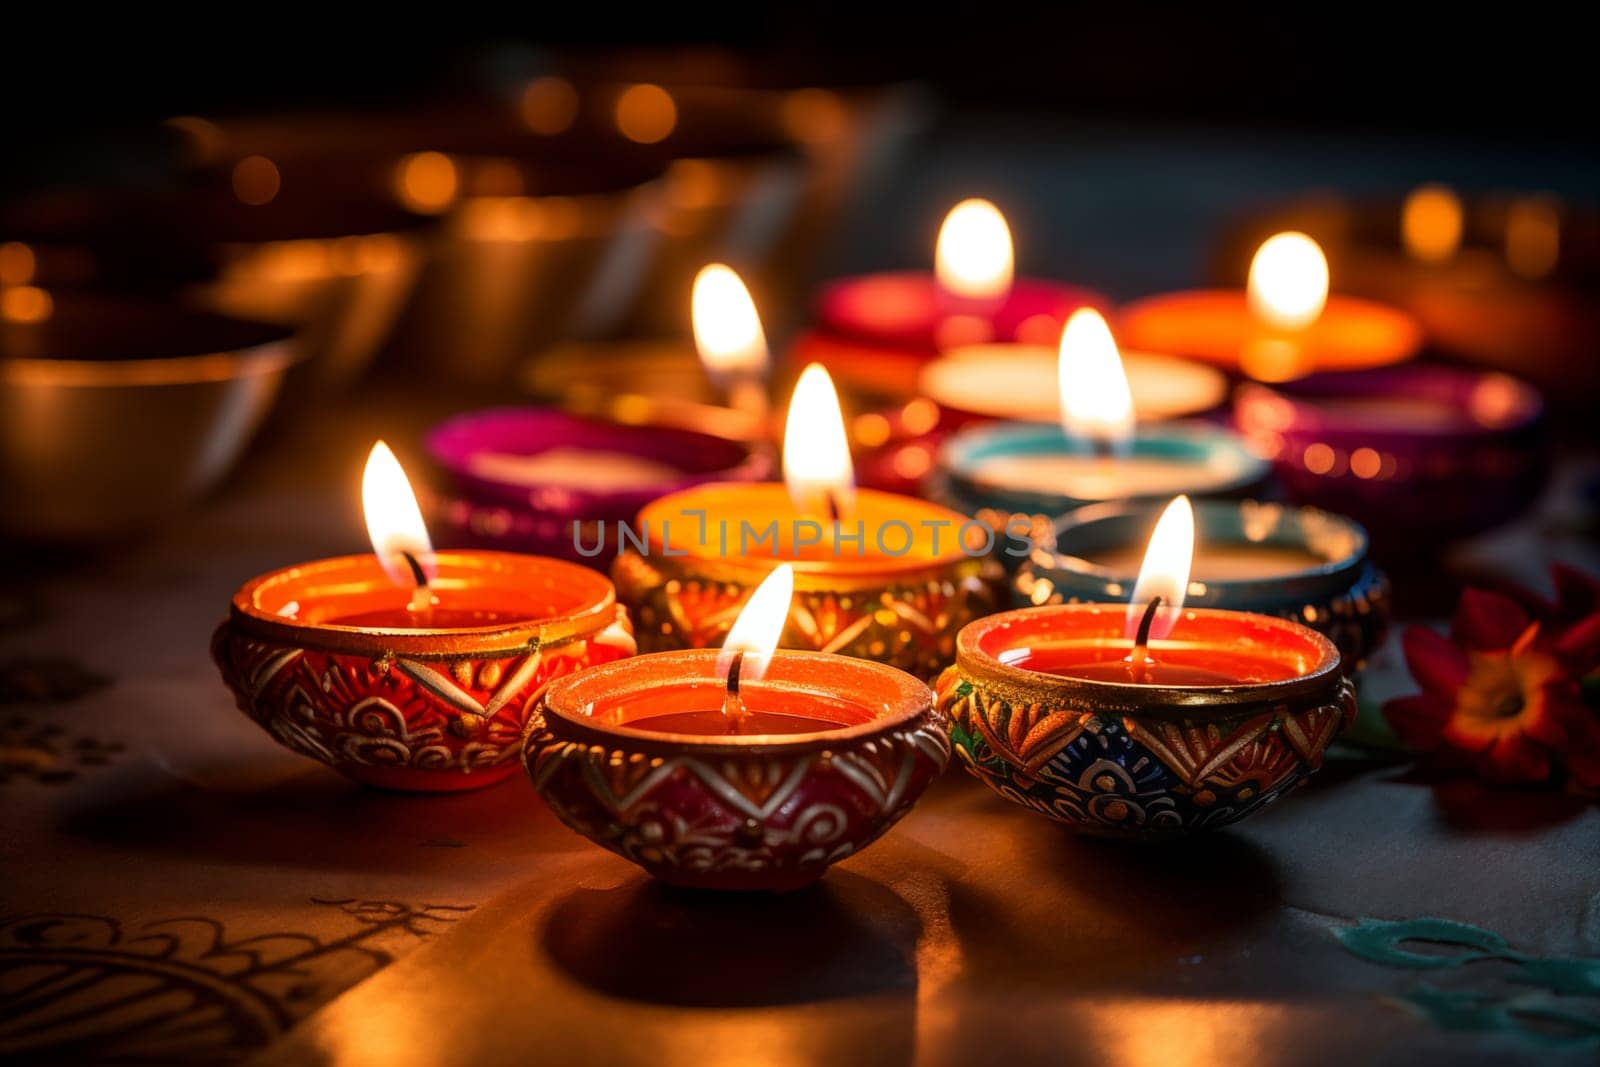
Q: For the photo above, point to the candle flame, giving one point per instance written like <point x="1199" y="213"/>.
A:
<point x="394" y="522"/>
<point x="973" y="256"/>
<point x="1288" y="281"/>
<point x="727" y="329"/>
<point x="816" y="453"/>
<point x="759" y="627"/>
<point x="1165" y="572"/>
<point x="1431" y="222"/>
<point x="1096" y="402"/>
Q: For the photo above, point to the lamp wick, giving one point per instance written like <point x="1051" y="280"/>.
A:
<point x="1145" y="623"/>
<point x="1139" y="661"/>
<point x="732" y="706"/>
<point x="421" y="598"/>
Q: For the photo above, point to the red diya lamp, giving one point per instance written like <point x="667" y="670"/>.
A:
<point x="409" y="668"/>
<point x="1145" y="720"/>
<point x="874" y="332"/>
<point x="877" y="575"/>
<point x="1283" y="326"/>
<point x="742" y="768"/>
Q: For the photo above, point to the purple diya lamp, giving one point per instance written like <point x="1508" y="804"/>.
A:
<point x="1404" y="449"/>
<point x="520" y="478"/>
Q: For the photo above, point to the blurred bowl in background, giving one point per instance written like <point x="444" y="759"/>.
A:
<point x="310" y="247"/>
<point x="116" y="413"/>
<point x="514" y="267"/>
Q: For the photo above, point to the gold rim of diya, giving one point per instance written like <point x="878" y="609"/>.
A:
<point x="896" y="700"/>
<point x="1023" y="686"/>
<point x="591" y="592"/>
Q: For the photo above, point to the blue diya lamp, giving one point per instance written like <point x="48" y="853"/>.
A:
<point x="1006" y="473"/>
<point x="1302" y="564"/>
<point x="1244" y="713"/>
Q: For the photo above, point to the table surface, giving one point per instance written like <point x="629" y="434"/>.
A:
<point x="177" y="887"/>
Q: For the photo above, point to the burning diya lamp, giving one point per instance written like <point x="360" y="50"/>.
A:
<point x="1297" y="563"/>
<point x="877" y="575"/>
<point x="409" y="668"/>
<point x="1284" y="326"/>
<point x="1148" y="720"/>
<point x="1009" y="473"/>
<point x="716" y="386"/>
<point x="875" y="331"/>
<point x="743" y="768"/>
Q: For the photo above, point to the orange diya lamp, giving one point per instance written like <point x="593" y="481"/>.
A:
<point x="1285" y="325"/>
<point x="1144" y="720"/>
<point x="877" y="575"/>
<point x="742" y="768"/>
<point x="409" y="668"/>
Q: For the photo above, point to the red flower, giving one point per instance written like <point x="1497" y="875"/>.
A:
<point x="1505" y="694"/>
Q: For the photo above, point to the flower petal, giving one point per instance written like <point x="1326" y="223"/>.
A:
<point x="1435" y="663"/>
<point x="1487" y="621"/>
<point x="1515" y="758"/>
<point x="1577" y="594"/>
<point x="1579" y="645"/>
<point x="1418" y="720"/>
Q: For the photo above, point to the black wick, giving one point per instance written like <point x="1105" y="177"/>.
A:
<point x="417" y="573"/>
<point x="1144" y="624"/>
<point x="833" y="506"/>
<point x="733" y="674"/>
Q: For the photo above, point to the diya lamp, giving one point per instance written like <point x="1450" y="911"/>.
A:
<point x="742" y="768"/>
<point x="1018" y="382"/>
<point x="718" y="385"/>
<point x="1145" y="720"/>
<point x="1302" y="564"/>
<point x="1419" y="447"/>
<point x="876" y="331"/>
<point x="1283" y="326"/>
<point x="1016" y="475"/>
<point x="541" y="480"/>
<point x="410" y="668"/>
<point x="877" y="575"/>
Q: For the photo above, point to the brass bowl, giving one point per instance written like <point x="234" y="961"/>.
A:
<point x="114" y="414"/>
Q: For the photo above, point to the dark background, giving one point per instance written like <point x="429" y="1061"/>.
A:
<point x="1512" y="74"/>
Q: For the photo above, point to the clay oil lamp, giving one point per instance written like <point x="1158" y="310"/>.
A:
<point x="1282" y="326"/>
<point x="409" y="668"/>
<point x="1302" y="564"/>
<point x="1145" y="720"/>
<point x="876" y="331"/>
<point x="742" y="769"/>
<point x="877" y="575"/>
<point x="1022" y="475"/>
<point x="1445" y="450"/>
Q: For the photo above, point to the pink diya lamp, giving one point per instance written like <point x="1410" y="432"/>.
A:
<point x="876" y="331"/>
<point x="1282" y="327"/>
<point x="1144" y="720"/>
<point x="410" y="668"/>
<point x="739" y="768"/>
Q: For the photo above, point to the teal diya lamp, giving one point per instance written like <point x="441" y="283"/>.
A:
<point x="1146" y="719"/>
<point x="1019" y="476"/>
<point x="1298" y="563"/>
